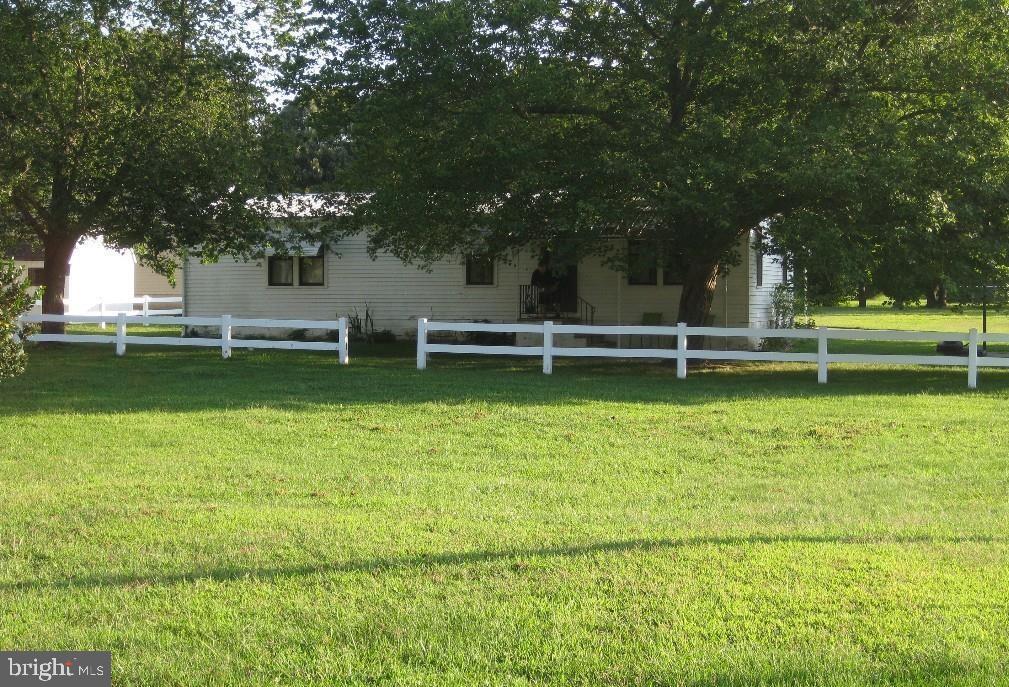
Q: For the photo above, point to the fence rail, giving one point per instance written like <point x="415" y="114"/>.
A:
<point x="114" y="307"/>
<point x="681" y="353"/>
<point x="103" y="308"/>
<point x="226" y="341"/>
<point x="145" y="303"/>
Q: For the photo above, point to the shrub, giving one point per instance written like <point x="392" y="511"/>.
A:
<point x="786" y="307"/>
<point x="15" y="300"/>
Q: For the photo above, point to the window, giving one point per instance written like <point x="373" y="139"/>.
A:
<point x="479" y="271"/>
<point x="674" y="267"/>
<point x="35" y="276"/>
<point x="308" y="269"/>
<point x="311" y="271"/>
<point x="642" y="263"/>
<point x="281" y="270"/>
<point x="759" y="248"/>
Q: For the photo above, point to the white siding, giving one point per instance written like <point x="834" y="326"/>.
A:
<point x="397" y="294"/>
<point x="25" y="265"/>
<point x="147" y="282"/>
<point x="761" y="308"/>
<point x="621" y="303"/>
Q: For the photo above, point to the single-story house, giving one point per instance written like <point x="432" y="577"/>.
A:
<point x="97" y="274"/>
<point x="31" y="260"/>
<point x="318" y="283"/>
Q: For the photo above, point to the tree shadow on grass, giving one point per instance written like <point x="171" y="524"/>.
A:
<point x="90" y="380"/>
<point x="391" y="564"/>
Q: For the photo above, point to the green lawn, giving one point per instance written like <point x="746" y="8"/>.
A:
<point x="957" y="321"/>
<point x="878" y="316"/>
<point x="279" y="519"/>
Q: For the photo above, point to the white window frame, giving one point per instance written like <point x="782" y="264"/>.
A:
<point x="296" y="272"/>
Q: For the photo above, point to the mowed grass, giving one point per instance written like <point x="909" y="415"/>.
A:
<point x="279" y="519"/>
<point x="958" y="321"/>
<point x="919" y="318"/>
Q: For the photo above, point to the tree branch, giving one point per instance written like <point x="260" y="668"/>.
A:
<point x="639" y="18"/>
<point x="102" y="198"/>
<point x="559" y="111"/>
<point x="24" y="204"/>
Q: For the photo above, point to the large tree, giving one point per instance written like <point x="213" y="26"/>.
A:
<point x="930" y="202"/>
<point x="488" y="124"/>
<point x="134" y="120"/>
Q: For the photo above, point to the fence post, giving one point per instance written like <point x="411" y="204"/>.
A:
<point x="821" y="355"/>
<point x="344" y="349"/>
<point x="101" y="312"/>
<point x="147" y="309"/>
<point x="972" y="360"/>
<point x="225" y="336"/>
<point x="548" y="348"/>
<point x="121" y="334"/>
<point x="422" y="343"/>
<point x="681" y="350"/>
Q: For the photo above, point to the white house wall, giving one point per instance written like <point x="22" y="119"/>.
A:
<point x="396" y="294"/>
<point x="761" y="306"/>
<point x="618" y="302"/>
<point x="26" y="265"/>
<point x="147" y="282"/>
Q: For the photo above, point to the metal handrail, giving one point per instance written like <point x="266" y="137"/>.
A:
<point x="531" y="305"/>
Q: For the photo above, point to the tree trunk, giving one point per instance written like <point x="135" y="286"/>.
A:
<point x="695" y="300"/>
<point x="863" y="296"/>
<point x="54" y="276"/>
<point x="697" y="295"/>
<point x="936" y="296"/>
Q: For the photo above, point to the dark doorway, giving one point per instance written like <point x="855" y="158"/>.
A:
<point x="567" y="288"/>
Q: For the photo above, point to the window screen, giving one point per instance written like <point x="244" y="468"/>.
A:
<point x="479" y="271"/>
<point x="311" y="271"/>
<point x="281" y="270"/>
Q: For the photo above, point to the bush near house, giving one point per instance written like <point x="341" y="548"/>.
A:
<point x="16" y="298"/>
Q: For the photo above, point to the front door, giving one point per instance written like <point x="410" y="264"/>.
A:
<point x="567" y="288"/>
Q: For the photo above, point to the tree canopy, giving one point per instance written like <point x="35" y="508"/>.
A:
<point x="296" y="157"/>
<point x="482" y="125"/>
<point x="138" y="121"/>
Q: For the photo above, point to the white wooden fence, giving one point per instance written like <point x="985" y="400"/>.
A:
<point x="104" y="308"/>
<point x="681" y="353"/>
<point x="126" y="305"/>
<point x="226" y="342"/>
